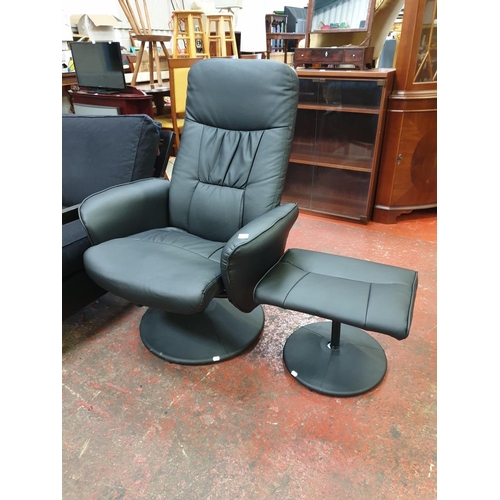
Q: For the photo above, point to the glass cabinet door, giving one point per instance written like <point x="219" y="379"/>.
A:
<point x="363" y="95"/>
<point x="334" y="150"/>
<point x="426" y="67"/>
<point x="338" y="122"/>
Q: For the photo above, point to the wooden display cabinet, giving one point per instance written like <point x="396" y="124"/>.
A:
<point x="408" y="166"/>
<point x="275" y="26"/>
<point x="336" y="146"/>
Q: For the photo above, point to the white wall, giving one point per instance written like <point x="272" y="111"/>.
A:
<point x="279" y="5"/>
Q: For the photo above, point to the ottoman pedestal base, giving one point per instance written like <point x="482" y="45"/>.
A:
<point x="354" y="366"/>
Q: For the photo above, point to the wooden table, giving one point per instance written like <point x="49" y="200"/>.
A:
<point x="158" y="94"/>
<point x="285" y="37"/>
<point x="131" y="101"/>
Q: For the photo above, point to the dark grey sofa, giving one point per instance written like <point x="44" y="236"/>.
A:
<point x="99" y="152"/>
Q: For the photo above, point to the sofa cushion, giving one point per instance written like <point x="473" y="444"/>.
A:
<point x="103" y="151"/>
<point x="74" y="244"/>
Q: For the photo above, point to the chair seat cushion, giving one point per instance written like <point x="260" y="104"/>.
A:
<point x="137" y="269"/>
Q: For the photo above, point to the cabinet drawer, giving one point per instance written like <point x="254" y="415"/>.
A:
<point x="302" y="55"/>
<point x="328" y="56"/>
<point x="354" y="56"/>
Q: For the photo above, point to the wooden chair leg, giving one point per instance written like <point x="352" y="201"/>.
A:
<point x="157" y="64"/>
<point x="138" y="63"/>
<point x="151" y="66"/>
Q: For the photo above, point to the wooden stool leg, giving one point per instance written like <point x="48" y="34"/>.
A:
<point x="151" y="65"/>
<point x="175" y="49"/>
<point x="138" y="63"/>
<point x="215" y="38"/>
<point x="157" y="65"/>
<point x="233" y="38"/>
<point x="165" y="50"/>
<point x="221" y="31"/>
<point x="190" y="33"/>
<point x="204" y="38"/>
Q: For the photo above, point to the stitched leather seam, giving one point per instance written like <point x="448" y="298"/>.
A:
<point x="176" y="246"/>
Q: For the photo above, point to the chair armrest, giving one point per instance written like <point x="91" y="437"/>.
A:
<point x="125" y="209"/>
<point x="250" y="253"/>
<point x="70" y="214"/>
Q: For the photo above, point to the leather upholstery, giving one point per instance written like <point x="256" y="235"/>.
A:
<point x="242" y="129"/>
<point x="177" y="245"/>
<point x="368" y="295"/>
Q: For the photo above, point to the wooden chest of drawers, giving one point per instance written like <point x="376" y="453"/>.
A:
<point x="355" y="57"/>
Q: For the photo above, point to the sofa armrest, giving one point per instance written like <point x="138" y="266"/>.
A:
<point x="126" y="209"/>
<point x="250" y="253"/>
<point x="70" y="214"/>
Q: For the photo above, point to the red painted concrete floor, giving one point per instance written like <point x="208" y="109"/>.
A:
<point x="138" y="427"/>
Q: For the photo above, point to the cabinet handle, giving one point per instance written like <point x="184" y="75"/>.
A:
<point x="400" y="158"/>
<point x="326" y="53"/>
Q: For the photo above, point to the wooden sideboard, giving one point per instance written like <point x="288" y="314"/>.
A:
<point x="337" y="142"/>
<point x="408" y="167"/>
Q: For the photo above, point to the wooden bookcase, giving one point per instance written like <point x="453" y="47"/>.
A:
<point x="275" y="24"/>
<point x="336" y="146"/>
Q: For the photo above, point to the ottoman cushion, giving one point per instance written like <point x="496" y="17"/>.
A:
<point x="368" y="295"/>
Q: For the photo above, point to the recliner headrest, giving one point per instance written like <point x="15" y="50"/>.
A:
<point x="221" y="96"/>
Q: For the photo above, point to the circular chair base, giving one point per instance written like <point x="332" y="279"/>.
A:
<point x="357" y="366"/>
<point x="220" y="332"/>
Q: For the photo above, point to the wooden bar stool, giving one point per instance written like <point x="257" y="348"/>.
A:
<point x="142" y="32"/>
<point x="222" y="34"/>
<point x="190" y="38"/>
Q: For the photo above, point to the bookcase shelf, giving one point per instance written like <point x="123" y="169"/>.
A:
<point x="336" y="147"/>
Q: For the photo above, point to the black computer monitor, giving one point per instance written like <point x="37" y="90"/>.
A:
<point x="98" y="65"/>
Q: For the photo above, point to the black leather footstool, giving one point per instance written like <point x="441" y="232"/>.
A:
<point x="338" y="358"/>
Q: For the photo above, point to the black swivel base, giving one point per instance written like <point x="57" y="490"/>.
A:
<point x="335" y="359"/>
<point x="220" y="332"/>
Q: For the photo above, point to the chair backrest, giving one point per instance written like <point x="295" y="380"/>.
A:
<point x="178" y="70"/>
<point x="137" y="17"/>
<point x="236" y="143"/>
<point x="103" y="151"/>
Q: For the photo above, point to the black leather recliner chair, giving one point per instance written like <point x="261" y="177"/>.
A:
<point x="192" y="249"/>
<point x="99" y="152"/>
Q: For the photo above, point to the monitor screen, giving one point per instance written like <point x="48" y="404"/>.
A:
<point x="98" y="65"/>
